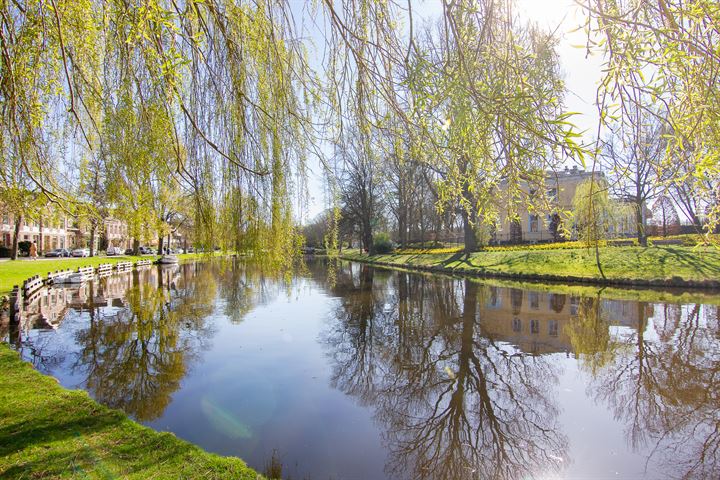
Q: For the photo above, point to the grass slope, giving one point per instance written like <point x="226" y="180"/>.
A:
<point x="49" y="432"/>
<point x="14" y="272"/>
<point x="655" y="266"/>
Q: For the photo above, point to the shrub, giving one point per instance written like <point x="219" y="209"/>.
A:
<point x="382" y="243"/>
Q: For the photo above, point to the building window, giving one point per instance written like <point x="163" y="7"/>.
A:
<point x="516" y="325"/>
<point x="557" y="302"/>
<point x="492" y="301"/>
<point x="574" y="301"/>
<point x="516" y="296"/>
<point x="534" y="326"/>
<point x="534" y="300"/>
<point x="553" y="328"/>
<point x="6" y="219"/>
<point x="552" y="195"/>
<point x="534" y="221"/>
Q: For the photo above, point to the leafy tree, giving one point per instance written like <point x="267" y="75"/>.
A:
<point x="593" y="210"/>
<point x="665" y="52"/>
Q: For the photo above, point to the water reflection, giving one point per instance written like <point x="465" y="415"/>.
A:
<point x="452" y="401"/>
<point x="463" y="382"/>
<point x="459" y="379"/>
<point x="134" y="358"/>
<point x="142" y="331"/>
<point x="665" y="389"/>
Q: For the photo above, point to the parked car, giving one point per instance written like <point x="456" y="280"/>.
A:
<point x="146" y="251"/>
<point x="113" y="251"/>
<point x="129" y="251"/>
<point x="81" y="252"/>
<point x="58" y="252"/>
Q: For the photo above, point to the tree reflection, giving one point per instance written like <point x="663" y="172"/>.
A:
<point x="135" y="357"/>
<point x="589" y="335"/>
<point x="451" y="401"/>
<point x="665" y="390"/>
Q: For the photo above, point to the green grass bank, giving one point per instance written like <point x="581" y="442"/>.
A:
<point x="14" y="272"/>
<point x="660" y="266"/>
<point x="47" y="431"/>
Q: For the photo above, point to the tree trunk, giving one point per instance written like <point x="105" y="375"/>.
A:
<point x="470" y="240"/>
<point x="640" y="224"/>
<point x="136" y="246"/>
<point x="161" y="239"/>
<point x="16" y="237"/>
<point x="422" y="226"/>
<point x="367" y="239"/>
<point x="93" y="228"/>
<point x="41" y="243"/>
<point x="468" y="217"/>
<point x="402" y="226"/>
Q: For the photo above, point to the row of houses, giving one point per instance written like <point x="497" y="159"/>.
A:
<point x="64" y="233"/>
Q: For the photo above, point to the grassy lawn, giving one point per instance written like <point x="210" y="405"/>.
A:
<point x="671" y="265"/>
<point x="15" y="272"/>
<point x="47" y="431"/>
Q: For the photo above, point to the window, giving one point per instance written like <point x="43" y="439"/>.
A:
<point x="552" y="195"/>
<point x="534" y="223"/>
<point x="492" y="301"/>
<point x="534" y="300"/>
<point x="516" y="296"/>
<point x="6" y="218"/>
<point x="553" y="328"/>
<point x="534" y="326"/>
<point x="574" y="301"/>
<point x="557" y="302"/>
<point x="516" y="324"/>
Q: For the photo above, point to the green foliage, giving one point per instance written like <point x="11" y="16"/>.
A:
<point x="382" y="243"/>
<point x="593" y="211"/>
<point x="665" y="53"/>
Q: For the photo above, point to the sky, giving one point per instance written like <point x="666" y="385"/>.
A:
<point x="582" y="71"/>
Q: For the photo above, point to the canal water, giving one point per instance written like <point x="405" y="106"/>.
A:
<point x="350" y="372"/>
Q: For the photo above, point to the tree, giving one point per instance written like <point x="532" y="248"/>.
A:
<point x="593" y="210"/>
<point x="633" y="154"/>
<point x="665" y="216"/>
<point x="359" y="189"/>
<point x="665" y="53"/>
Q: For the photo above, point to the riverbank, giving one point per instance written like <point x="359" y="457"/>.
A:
<point x="660" y="266"/>
<point x="14" y="272"/>
<point x="47" y="431"/>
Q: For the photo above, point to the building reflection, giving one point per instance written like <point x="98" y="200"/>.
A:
<point x="453" y="400"/>
<point x="664" y="389"/>
<point x="462" y="376"/>
<point x="143" y="329"/>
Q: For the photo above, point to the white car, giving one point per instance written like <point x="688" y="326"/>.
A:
<point x="81" y="252"/>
